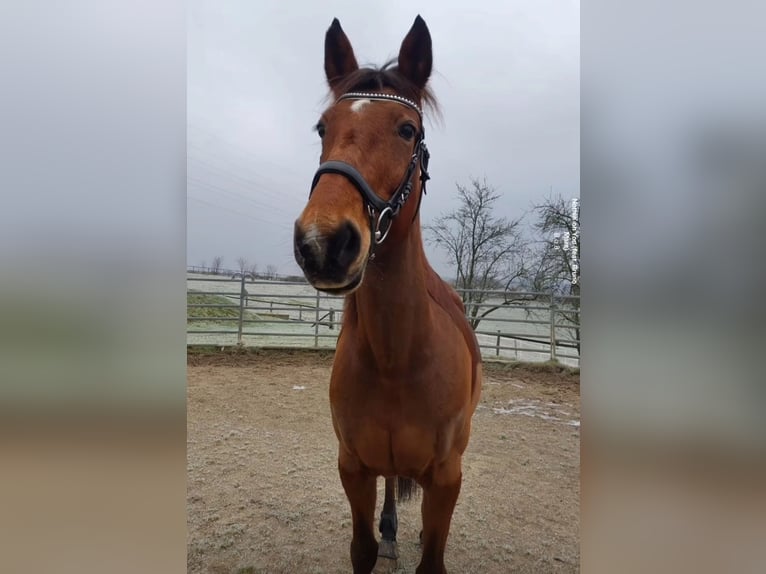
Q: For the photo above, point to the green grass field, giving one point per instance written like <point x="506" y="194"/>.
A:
<point x="211" y="314"/>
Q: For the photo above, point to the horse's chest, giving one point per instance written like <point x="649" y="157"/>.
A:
<point x="390" y="436"/>
<point x="406" y="450"/>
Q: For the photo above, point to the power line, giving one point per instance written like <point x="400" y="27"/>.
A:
<point x="238" y="196"/>
<point x="235" y="212"/>
<point x="238" y="149"/>
<point x="246" y="156"/>
<point x="249" y="183"/>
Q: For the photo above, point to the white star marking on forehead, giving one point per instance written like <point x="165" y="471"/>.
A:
<point x="358" y="105"/>
<point x="384" y="97"/>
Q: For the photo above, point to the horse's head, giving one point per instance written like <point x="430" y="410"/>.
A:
<point x="372" y="153"/>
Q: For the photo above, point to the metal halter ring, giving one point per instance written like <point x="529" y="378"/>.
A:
<point x="380" y="236"/>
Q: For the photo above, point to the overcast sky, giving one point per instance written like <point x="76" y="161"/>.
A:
<point x="506" y="74"/>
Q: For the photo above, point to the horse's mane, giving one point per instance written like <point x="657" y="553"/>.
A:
<point x="373" y="79"/>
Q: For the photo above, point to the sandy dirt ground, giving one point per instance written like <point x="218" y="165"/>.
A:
<point x="263" y="493"/>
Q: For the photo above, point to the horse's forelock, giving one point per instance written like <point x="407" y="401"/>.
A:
<point x="373" y="79"/>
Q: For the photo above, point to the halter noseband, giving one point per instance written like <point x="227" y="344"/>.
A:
<point x="386" y="210"/>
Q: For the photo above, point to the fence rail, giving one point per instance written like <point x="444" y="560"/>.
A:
<point x="245" y="310"/>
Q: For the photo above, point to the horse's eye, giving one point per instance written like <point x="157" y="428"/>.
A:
<point x="320" y="128"/>
<point x="407" y="131"/>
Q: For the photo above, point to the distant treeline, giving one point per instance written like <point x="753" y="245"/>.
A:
<point x="230" y="272"/>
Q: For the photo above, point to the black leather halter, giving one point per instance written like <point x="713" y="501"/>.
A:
<point x="382" y="212"/>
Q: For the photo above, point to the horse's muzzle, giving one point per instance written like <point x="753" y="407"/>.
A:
<point x="327" y="258"/>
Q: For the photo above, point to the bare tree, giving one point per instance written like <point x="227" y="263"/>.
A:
<point x="271" y="271"/>
<point x="253" y="269"/>
<point x="488" y="252"/>
<point x="216" y="265"/>
<point x="242" y="264"/>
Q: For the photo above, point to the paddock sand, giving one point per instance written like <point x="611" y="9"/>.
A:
<point x="263" y="493"/>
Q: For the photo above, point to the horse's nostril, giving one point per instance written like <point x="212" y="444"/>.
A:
<point x="354" y="241"/>
<point x="345" y="246"/>
<point x="344" y="237"/>
<point x="305" y="250"/>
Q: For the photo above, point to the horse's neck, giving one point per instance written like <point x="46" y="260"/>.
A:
<point x="391" y="306"/>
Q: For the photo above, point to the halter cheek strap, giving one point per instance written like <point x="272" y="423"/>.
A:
<point x="380" y="211"/>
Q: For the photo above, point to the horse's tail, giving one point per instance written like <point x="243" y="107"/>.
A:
<point x="406" y="489"/>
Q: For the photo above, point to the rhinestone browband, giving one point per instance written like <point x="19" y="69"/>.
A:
<point x="378" y="96"/>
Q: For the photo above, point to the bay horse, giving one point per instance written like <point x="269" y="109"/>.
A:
<point x="406" y="377"/>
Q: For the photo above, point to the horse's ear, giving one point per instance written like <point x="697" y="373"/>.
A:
<point x="339" y="59"/>
<point x="415" y="56"/>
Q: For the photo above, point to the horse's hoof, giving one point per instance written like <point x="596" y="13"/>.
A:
<point x="388" y="558"/>
<point x="388" y="550"/>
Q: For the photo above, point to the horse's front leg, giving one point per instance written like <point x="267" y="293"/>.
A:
<point x="360" y="491"/>
<point x="439" y="498"/>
